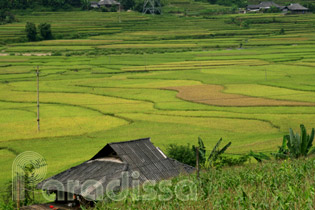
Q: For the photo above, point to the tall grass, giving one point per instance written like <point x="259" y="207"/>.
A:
<point x="271" y="185"/>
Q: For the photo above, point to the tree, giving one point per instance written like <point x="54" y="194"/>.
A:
<point x="85" y="4"/>
<point x="45" y="31"/>
<point x="31" y="31"/>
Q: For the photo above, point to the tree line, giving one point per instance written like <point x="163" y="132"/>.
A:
<point x="24" y="4"/>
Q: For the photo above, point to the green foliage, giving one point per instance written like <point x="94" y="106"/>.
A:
<point x="181" y="153"/>
<point x="187" y="155"/>
<point x="282" y="31"/>
<point x="273" y="9"/>
<point x="238" y="3"/>
<point x="31" y="31"/>
<point x="225" y="160"/>
<point x="274" y="185"/>
<point x="54" y="4"/>
<point x="6" y="16"/>
<point x="310" y="6"/>
<point x="296" y="145"/>
<point x="113" y="9"/>
<point x="216" y="153"/>
<point x="245" y="24"/>
<point x="202" y="150"/>
<point x="45" y="31"/>
<point x="85" y="4"/>
<point x="258" y="156"/>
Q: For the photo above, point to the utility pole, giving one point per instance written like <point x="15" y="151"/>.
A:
<point x="119" y="13"/>
<point x="37" y="73"/>
<point x="145" y="61"/>
<point x="197" y="161"/>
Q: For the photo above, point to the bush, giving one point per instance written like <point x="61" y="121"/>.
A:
<point x="105" y="9"/>
<point x="181" y="153"/>
<point x="245" y="24"/>
<point x="45" y="31"/>
<point x="113" y="8"/>
<point x="31" y="32"/>
<point x="296" y="145"/>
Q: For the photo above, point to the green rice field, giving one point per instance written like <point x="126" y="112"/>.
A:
<point x="173" y="77"/>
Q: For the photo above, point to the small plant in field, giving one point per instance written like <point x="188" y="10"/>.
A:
<point x="245" y="24"/>
<point x="187" y="154"/>
<point x="296" y="145"/>
<point x="258" y="156"/>
<point x="215" y="154"/>
<point x="281" y="31"/>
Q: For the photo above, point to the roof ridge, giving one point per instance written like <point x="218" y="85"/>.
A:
<point x="143" y="139"/>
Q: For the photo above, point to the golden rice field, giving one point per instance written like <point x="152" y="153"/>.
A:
<point x="170" y="77"/>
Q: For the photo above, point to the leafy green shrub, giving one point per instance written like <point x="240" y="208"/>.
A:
<point x="45" y="31"/>
<point x="104" y="9"/>
<point x="113" y="9"/>
<point x="224" y="160"/>
<point x="245" y="24"/>
<point x="296" y="145"/>
<point x="56" y="54"/>
<point x="31" y="32"/>
<point x="182" y="153"/>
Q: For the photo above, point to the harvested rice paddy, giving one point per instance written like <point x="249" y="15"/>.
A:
<point x="214" y="95"/>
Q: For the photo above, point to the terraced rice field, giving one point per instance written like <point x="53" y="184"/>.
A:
<point x="171" y="77"/>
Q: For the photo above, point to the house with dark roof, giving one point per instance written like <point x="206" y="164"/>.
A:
<point x="94" y="4"/>
<point x="108" y="3"/>
<point x="296" y="8"/>
<point x="104" y="3"/>
<point x="137" y="159"/>
<point x="264" y="5"/>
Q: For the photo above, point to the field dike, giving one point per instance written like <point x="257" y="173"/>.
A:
<point x="213" y="95"/>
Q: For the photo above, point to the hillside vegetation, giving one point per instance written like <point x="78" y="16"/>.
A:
<point x="273" y="185"/>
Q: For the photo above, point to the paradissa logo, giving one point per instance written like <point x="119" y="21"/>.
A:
<point x="34" y="166"/>
<point x="119" y="189"/>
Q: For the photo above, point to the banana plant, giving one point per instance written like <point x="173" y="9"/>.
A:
<point x="296" y="145"/>
<point x="202" y="150"/>
<point x="216" y="152"/>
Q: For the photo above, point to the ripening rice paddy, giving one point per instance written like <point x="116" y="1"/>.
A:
<point x="170" y="77"/>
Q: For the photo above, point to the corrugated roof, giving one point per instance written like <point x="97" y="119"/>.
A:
<point x="108" y="2"/>
<point x="264" y="5"/>
<point x="129" y="156"/>
<point x="296" y="6"/>
<point x="268" y="4"/>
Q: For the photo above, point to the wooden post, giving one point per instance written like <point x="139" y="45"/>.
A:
<point x="197" y="161"/>
<point x="145" y="61"/>
<point x="18" y="194"/>
<point x="38" y="126"/>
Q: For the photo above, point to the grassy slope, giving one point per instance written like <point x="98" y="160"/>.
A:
<point x="272" y="185"/>
<point x="110" y="85"/>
